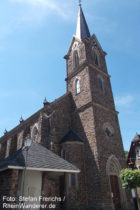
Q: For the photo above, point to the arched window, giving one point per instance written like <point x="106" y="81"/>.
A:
<point x="96" y="60"/>
<point x="101" y="85"/>
<point x="8" y="147"/>
<point x="35" y="133"/>
<point x="77" y="84"/>
<point x="75" y="59"/>
<point x="13" y="145"/>
<point x="20" y="140"/>
<point x="73" y="180"/>
<point x="95" y="56"/>
<point x="108" y="129"/>
<point x="63" y="154"/>
<point x="137" y="152"/>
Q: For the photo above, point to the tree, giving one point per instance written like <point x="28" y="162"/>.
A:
<point x="130" y="178"/>
<point x="126" y="154"/>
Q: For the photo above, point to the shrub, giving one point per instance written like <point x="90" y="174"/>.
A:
<point x="130" y="178"/>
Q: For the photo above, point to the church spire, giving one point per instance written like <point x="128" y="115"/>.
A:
<point x="82" y="30"/>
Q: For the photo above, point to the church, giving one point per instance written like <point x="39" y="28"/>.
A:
<point x="70" y="152"/>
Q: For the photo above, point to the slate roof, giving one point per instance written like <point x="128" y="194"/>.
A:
<point x="82" y="30"/>
<point x="136" y="138"/>
<point x="39" y="158"/>
<point x="131" y="155"/>
<point x="71" y="136"/>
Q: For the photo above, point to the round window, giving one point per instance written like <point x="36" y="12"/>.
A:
<point x="108" y="129"/>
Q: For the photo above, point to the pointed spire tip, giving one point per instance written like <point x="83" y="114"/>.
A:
<point x="80" y="3"/>
<point x="82" y="30"/>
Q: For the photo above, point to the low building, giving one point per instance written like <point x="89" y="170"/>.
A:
<point x="133" y="160"/>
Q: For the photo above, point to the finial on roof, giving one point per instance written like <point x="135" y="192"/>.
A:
<point x="21" y="119"/>
<point x="80" y="2"/>
<point x="5" y="132"/>
<point x="45" y="102"/>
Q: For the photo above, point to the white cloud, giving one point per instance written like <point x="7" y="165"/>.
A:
<point x="32" y="13"/>
<point x="124" y="100"/>
<point x="43" y="7"/>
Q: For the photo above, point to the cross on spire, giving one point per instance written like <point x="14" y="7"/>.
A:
<point x="80" y="1"/>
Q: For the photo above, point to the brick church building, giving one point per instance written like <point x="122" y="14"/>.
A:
<point x="76" y="151"/>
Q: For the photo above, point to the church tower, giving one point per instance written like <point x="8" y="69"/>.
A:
<point x="89" y="83"/>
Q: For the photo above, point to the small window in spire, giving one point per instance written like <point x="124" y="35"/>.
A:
<point x="95" y="56"/>
<point x="138" y="153"/>
<point x="94" y="44"/>
<point x="75" y="59"/>
<point x="101" y="83"/>
<point x="77" y="86"/>
<point x="63" y="154"/>
<point x="96" y="60"/>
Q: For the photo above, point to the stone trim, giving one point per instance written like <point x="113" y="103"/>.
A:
<point x="98" y="70"/>
<point x="105" y="108"/>
<point x="86" y="106"/>
<point x="73" y="142"/>
<point x="81" y="67"/>
<point x="113" y="166"/>
<point x="96" y="104"/>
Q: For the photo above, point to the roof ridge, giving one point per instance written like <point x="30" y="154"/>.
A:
<point x="36" y="114"/>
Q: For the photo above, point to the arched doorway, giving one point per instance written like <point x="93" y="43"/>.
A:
<point x="118" y="195"/>
<point x="115" y="192"/>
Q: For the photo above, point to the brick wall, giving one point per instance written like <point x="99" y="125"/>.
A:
<point x="50" y="187"/>
<point x="105" y="97"/>
<point x="94" y="108"/>
<point x="59" y="124"/>
<point x="76" y="196"/>
<point x="8" y="184"/>
<point x="86" y="114"/>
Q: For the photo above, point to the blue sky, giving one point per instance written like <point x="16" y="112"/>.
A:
<point x="36" y="34"/>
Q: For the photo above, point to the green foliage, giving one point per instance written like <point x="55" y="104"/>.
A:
<point x="130" y="178"/>
<point x="126" y="154"/>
